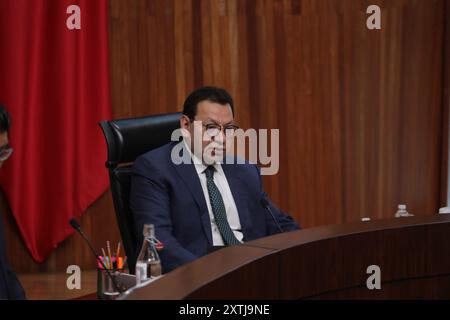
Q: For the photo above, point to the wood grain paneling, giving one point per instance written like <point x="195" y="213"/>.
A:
<point x="445" y="106"/>
<point x="359" y="111"/>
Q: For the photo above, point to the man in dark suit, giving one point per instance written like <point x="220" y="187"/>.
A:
<point x="10" y="287"/>
<point x="206" y="201"/>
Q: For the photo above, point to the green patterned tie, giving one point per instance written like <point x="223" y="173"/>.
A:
<point x="218" y="209"/>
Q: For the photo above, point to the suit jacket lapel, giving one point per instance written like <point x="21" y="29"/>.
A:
<point x="189" y="176"/>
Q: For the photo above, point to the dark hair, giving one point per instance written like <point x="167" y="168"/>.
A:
<point x="212" y="94"/>
<point x="5" y="120"/>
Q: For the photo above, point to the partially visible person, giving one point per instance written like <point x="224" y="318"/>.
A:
<point x="10" y="287"/>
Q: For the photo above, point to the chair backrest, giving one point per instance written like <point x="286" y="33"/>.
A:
<point x="126" y="140"/>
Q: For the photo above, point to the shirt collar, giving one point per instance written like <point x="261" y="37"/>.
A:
<point x="200" y="167"/>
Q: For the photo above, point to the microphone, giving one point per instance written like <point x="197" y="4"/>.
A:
<point x="266" y="206"/>
<point x="74" y="223"/>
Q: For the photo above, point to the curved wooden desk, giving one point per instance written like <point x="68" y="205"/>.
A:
<point x="321" y="263"/>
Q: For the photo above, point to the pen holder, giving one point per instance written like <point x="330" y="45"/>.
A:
<point x="105" y="287"/>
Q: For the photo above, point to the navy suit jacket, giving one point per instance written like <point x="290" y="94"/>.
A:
<point x="170" y="196"/>
<point x="10" y="287"/>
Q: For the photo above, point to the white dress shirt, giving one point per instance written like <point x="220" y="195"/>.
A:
<point x="230" y="206"/>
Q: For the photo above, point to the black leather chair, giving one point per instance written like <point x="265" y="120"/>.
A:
<point x="127" y="139"/>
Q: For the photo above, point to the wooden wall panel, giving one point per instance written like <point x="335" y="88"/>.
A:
<point x="445" y="106"/>
<point x="359" y="111"/>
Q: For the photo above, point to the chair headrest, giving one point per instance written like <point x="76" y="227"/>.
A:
<point x="129" y="138"/>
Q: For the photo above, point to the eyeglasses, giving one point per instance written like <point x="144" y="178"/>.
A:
<point x="214" y="130"/>
<point x="5" y="152"/>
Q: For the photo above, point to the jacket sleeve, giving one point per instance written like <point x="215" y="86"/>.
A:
<point x="150" y="204"/>
<point x="10" y="287"/>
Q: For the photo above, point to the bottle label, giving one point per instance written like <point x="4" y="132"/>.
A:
<point x="141" y="272"/>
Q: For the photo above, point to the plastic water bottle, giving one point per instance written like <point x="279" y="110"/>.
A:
<point x="148" y="263"/>
<point x="402" y="212"/>
<point x="444" y="210"/>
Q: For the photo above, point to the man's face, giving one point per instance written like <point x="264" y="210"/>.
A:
<point x="3" y="143"/>
<point x="211" y="114"/>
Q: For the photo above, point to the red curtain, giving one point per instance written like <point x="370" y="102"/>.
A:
<point x="54" y="83"/>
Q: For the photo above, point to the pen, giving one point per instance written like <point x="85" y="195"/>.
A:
<point x="118" y="250"/>
<point x="108" y="265"/>
<point x="108" y="247"/>
<point x="104" y="258"/>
